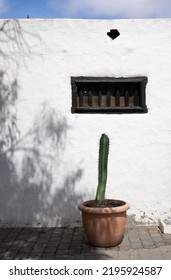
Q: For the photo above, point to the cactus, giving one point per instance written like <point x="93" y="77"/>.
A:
<point x="102" y="170"/>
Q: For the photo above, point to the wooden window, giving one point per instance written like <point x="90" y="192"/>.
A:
<point x="108" y="95"/>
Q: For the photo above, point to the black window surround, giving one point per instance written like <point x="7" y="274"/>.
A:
<point x="108" y="95"/>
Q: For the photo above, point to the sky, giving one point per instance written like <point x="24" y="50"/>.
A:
<point x="85" y="9"/>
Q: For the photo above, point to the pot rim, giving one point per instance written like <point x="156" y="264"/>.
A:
<point x="85" y="206"/>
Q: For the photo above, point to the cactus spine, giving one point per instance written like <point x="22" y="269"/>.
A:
<point x="102" y="170"/>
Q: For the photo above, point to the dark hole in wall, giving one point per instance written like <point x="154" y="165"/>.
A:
<point x="113" y="33"/>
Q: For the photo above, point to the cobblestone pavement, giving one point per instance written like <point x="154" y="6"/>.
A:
<point x="140" y="242"/>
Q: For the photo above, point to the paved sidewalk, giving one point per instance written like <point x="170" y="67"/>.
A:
<point x="140" y="242"/>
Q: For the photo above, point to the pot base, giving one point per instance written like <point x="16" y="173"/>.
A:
<point x="102" y="244"/>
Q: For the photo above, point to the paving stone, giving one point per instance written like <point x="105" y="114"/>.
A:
<point x="43" y="241"/>
<point x="50" y="250"/>
<point x="14" y="248"/>
<point x="2" y="251"/>
<point x="165" y="252"/>
<point x="112" y="249"/>
<point x="58" y="231"/>
<point x="64" y="246"/>
<point x="32" y="238"/>
<point x="123" y="255"/>
<point x="157" y="237"/>
<point x="75" y="251"/>
<point x="66" y="240"/>
<point x="77" y="237"/>
<point x="68" y="231"/>
<point x="29" y="244"/>
<point x="15" y="231"/>
<point x="148" y="245"/>
<point x="62" y="252"/>
<point x="125" y="244"/>
<point x="39" y="246"/>
<point x="2" y="237"/>
<point x="26" y="230"/>
<point x="87" y="246"/>
<point x="34" y="257"/>
<point x="36" y="230"/>
<point x="76" y="243"/>
<point x="52" y="244"/>
<point x="48" y="255"/>
<point x="18" y="243"/>
<point x="134" y="255"/>
<point x="47" y="230"/>
<point x="134" y="236"/>
<point x="5" y="231"/>
<point x="22" y="256"/>
<point x="36" y="254"/>
<point x="6" y="245"/>
<point x="159" y="244"/>
<point x="9" y="240"/>
<point x="151" y="254"/>
<point x="136" y="245"/>
<point x="167" y="238"/>
<point x="85" y="250"/>
<point x="99" y="249"/>
<point x="145" y="238"/>
<point x="25" y="250"/>
<point x="55" y="239"/>
<point x="10" y="254"/>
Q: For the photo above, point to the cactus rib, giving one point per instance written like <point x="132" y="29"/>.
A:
<point x="102" y="170"/>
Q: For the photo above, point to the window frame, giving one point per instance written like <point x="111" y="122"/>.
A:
<point x="76" y="82"/>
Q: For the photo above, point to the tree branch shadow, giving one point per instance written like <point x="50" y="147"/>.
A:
<point x="30" y="193"/>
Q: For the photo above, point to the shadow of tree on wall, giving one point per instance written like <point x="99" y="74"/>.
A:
<point x="29" y="191"/>
<point x="29" y="196"/>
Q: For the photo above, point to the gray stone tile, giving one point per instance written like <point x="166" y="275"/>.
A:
<point x="55" y="238"/>
<point x="52" y="244"/>
<point x="136" y="245"/>
<point x="39" y="246"/>
<point x="62" y="252"/>
<point x="22" y="256"/>
<point x="50" y="250"/>
<point x="64" y="246"/>
<point x="125" y="244"/>
<point x="24" y="250"/>
<point x="75" y="251"/>
<point x="10" y="254"/>
<point x="48" y="256"/>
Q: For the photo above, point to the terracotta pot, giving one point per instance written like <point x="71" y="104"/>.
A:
<point x="104" y="227"/>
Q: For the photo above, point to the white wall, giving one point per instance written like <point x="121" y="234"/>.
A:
<point x="48" y="156"/>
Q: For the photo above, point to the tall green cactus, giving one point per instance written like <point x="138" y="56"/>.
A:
<point x="102" y="170"/>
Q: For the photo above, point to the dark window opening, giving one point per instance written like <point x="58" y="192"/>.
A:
<point x="108" y="95"/>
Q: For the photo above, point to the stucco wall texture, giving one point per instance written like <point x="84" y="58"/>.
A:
<point x="49" y="156"/>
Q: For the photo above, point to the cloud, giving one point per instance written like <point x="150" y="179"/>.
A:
<point x="112" y="8"/>
<point x="4" y="5"/>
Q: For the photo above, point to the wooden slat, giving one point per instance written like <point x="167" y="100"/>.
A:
<point x="90" y="98"/>
<point x="117" y="99"/>
<point x="136" y="98"/>
<point x="127" y="98"/>
<point x="108" y="98"/>
<point x="100" y="99"/>
<point x="80" y="98"/>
